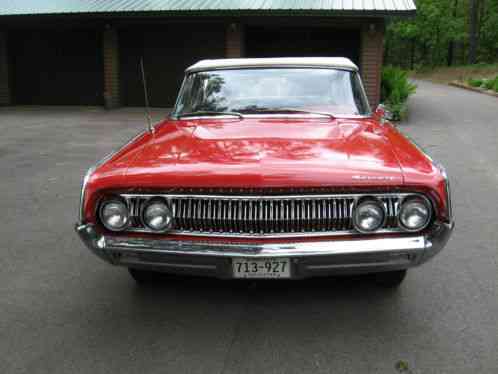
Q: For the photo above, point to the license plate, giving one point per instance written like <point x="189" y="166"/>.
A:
<point x="261" y="268"/>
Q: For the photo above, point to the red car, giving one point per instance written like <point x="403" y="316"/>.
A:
<point x="268" y="168"/>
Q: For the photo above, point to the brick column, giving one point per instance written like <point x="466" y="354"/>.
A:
<point x="234" y="40"/>
<point x="5" y="98"/>
<point x="111" y="68"/>
<point x="371" y="59"/>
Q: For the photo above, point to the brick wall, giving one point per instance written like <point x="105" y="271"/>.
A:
<point x="234" y="42"/>
<point x="4" y="71"/>
<point x="371" y="56"/>
<point x="112" y="97"/>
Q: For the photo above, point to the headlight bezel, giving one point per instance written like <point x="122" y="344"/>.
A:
<point x="143" y="211"/>
<point x="428" y="205"/>
<point x="115" y="200"/>
<point x="368" y="200"/>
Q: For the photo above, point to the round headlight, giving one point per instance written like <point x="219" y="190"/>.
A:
<point x="415" y="214"/>
<point x="114" y="215"/>
<point x="157" y="215"/>
<point x="369" y="216"/>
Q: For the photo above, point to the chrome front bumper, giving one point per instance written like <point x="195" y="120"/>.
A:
<point x="316" y="258"/>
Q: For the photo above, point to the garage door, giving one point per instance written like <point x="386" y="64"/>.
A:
<point x="57" y="67"/>
<point x="167" y="51"/>
<point x="303" y="42"/>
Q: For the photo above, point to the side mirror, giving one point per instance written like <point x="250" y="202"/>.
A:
<point x="383" y="113"/>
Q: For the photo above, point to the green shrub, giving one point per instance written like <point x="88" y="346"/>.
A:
<point x="491" y="84"/>
<point x="488" y="84"/>
<point x="475" y="82"/>
<point x="395" y="90"/>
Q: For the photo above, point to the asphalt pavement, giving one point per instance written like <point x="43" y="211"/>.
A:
<point x="62" y="310"/>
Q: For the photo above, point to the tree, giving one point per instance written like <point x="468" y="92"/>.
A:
<point x="451" y="46"/>
<point x="444" y="32"/>
<point x="473" y="33"/>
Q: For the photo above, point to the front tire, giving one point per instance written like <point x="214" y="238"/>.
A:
<point x="146" y="276"/>
<point x="390" y="279"/>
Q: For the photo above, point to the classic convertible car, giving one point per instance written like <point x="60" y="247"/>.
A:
<point x="268" y="168"/>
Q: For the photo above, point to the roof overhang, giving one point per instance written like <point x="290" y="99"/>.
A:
<point x="224" y="8"/>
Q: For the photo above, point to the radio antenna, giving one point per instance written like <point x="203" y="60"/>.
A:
<point x="146" y="94"/>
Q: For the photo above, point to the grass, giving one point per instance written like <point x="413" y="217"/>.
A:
<point x="475" y="82"/>
<point x="457" y="73"/>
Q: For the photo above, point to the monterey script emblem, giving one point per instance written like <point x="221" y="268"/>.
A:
<point x="371" y="178"/>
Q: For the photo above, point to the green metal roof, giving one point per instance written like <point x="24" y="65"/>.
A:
<point x="209" y="7"/>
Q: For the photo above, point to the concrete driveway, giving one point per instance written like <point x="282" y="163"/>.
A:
<point x="62" y="310"/>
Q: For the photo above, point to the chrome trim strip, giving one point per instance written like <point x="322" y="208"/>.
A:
<point x="364" y="93"/>
<point x="288" y="235"/>
<point x="86" y="178"/>
<point x="178" y="96"/>
<point x="273" y="197"/>
<point x="443" y="172"/>
<point x="303" y="115"/>
<point x="287" y="115"/>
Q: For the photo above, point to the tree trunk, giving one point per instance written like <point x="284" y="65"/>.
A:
<point x="451" y="46"/>
<point x="474" y="12"/>
<point x="412" y="54"/>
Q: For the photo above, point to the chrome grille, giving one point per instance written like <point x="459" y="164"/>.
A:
<point x="262" y="216"/>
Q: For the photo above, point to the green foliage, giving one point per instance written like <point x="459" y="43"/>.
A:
<point x="475" y="82"/>
<point x="488" y="31"/>
<point x="439" y="34"/>
<point x="491" y="84"/>
<point x="395" y="90"/>
<point x="487" y="84"/>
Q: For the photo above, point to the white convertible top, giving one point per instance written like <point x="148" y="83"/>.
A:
<point x="235" y="63"/>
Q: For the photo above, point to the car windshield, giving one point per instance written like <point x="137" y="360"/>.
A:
<point x="272" y="90"/>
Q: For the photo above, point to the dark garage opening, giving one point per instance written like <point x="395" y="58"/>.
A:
<point x="57" y="67"/>
<point x="303" y="42"/>
<point x="167" y="52"/>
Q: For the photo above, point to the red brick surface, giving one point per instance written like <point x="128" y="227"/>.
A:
<point x="234" y="41"/>
<point x="372" y="51"/>
<point x="111" y="68"/>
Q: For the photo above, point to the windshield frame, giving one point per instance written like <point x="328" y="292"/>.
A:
<point x="175" y="115"/>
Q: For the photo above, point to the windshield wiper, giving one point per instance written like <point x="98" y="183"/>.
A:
<point x="209" y="113"/>
<point x="292" y="110"/>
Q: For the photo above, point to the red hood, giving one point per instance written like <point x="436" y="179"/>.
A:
<point x="259" y="153"/>
<point x="265" y="153"/>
